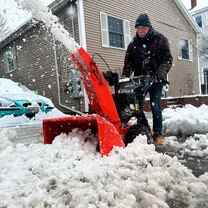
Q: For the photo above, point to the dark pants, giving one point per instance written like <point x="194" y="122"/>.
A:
<point x="155" y="93"/>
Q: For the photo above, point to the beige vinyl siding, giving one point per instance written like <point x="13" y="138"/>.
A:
<point x="165" y="17"/>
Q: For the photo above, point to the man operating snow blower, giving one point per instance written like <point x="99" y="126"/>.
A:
<point x="148" y="54"/>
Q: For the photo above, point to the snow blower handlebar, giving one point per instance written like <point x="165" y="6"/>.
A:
<point x="132" y="83"/>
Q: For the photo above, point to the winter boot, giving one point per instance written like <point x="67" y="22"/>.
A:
<point x="150" y="132"/>
<point x="157" y="139"/>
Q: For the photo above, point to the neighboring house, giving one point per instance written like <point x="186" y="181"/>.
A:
<point x="201" y="18"/>
<point x="33" y="57"/>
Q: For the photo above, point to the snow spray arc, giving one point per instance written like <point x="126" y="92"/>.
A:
<point x="41" y="12"/>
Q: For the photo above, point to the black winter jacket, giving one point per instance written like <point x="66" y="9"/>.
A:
<point x="150" y="55"/>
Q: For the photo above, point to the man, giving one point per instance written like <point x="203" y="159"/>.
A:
<point x="149" y="54"/>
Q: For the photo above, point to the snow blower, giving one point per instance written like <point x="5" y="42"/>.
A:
<point x="108" y="110"/>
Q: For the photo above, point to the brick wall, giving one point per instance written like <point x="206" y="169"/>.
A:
<point x="180" y="102"/>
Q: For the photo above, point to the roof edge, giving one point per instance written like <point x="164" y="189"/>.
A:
<point x="187" y="16"/>
<point x="204" y="9"/>
<point x="55" y="5"/>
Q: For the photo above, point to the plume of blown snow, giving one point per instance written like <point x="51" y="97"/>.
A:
<point x="41" y="12"/>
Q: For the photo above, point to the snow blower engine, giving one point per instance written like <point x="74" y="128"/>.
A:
<point x="129" y="110"/>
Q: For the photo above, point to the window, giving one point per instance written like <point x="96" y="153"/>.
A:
<point x="205" y="85"/>
<point x="199" y="20"/>
<point x="10" y="60"/>
<point x="206" y="21"/>
<point x="115" y="29"/>
<point x="186" y="49"/>
<point x="115" y="32"/>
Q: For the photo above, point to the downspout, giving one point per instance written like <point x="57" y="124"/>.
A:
<point x="199" y="69"/>
<point x="58" y="83"/>
<point x="82" y="40"/>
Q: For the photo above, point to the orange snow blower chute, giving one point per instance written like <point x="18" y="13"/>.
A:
<point x="106" y="119"/>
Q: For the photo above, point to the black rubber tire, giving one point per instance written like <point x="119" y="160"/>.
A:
<point x="30" y="115"/>
<point x="134" y="131"/>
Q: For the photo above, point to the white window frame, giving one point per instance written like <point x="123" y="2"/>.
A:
<point x="8" y="67"/>
<point x="105" y="32"/>
<point x="190" y="50"/>
<point x="206" y="19"/>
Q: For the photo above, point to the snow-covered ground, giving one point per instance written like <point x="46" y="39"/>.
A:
<point x="188" y="125"/>
<point x="71" y="173"/>
<point x="10" y="120"/>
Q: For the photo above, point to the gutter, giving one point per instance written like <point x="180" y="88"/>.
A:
<point x="199" y="68"/>
<point x="198" y="11"/>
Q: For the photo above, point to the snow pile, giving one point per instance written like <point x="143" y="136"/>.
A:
<point x="197" y="145"/>
<point x="185" y="121"/>
<point x="11" y="120"/>
<point x="7" y="138"/>
<point x="71" y="173"/>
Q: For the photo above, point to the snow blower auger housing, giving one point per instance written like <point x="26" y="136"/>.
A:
<point x="106" y="119"/>
<point x="110" y="116"/>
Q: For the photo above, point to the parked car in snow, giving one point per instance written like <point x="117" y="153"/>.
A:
<point x="16" y="99"/>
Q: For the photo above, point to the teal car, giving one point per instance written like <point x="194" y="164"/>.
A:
<point x="17" y="100"/>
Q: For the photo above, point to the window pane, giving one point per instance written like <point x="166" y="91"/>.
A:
<point x="116" y="34"/>
<point x="205" y="85"/>
<point x="199" y="20"/>
<point x="184" y="49"/>
<point x="10" y="60"/>
<point x="116" y="40"/>
<point x="115" y="25"/>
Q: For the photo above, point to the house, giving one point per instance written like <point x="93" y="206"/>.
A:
<point x="33" y="57"/>
<point x="201" y="18"/>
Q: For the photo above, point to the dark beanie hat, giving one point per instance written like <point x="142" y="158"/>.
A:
<point x="143" y="20"/>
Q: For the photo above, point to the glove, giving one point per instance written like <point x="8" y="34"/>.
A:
<point x="160" y="77"/>
<point x="124" y="76"/>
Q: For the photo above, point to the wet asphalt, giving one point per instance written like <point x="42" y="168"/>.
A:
<point x="198" y="165"/>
